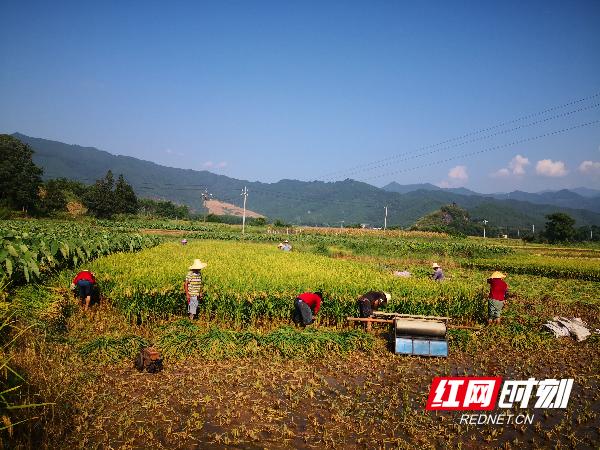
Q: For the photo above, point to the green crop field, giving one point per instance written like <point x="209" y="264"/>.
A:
<point x="245" y="282"/>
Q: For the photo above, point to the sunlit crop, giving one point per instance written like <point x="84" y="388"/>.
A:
<point x="246" y="283"/>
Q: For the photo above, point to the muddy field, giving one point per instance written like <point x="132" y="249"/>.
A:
<point x="351" y="391"/>
<point x="374" y="400"/>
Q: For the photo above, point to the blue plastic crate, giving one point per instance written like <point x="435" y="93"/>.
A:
<point x="438" y="348"/>
<point x="421" y="347"/>
<point x="404" y="346"/>
<point x="408" y="345"/>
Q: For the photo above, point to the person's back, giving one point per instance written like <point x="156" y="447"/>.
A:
<point x="438" y="275"/>
<point x="86" y="275"/>
<point x="313" y="300"/>
<point x="85" y="282"/>
<point x="497" y="296"/>
<point x="371" y="301"/>
<point x="498" y="289"/>
<point x="306" y="306"/>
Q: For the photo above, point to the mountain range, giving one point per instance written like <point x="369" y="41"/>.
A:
<point x="564" y="198"/>
<point x="314" y="202"/>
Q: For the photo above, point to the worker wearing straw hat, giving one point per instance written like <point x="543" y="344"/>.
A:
<point x="193" y="286"/>
<point x="497" y="297"/>
<point x="285" y="246"/>
<point x="438" y="274"/>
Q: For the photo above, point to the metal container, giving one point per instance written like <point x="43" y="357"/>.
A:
<point x="420" y="327"/>
<point x="421" y="337"/>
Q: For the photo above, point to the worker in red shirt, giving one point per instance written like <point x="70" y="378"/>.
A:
<point x="497" y="296"/>
<point x="85" y="281"/>
<point x="306" y="306"/>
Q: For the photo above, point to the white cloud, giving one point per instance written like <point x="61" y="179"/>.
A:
<point x="502" y="173"/>
<point x="458" y="173"/>
<point x="457" y="176"/>
<point x="208" y="164"/>
<point x="590" y="167"/>
<point x="517" y="165"/>
<point x="221" y="165"/>
<point x="549" y="168"/>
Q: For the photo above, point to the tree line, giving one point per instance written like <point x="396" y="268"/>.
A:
<point x="22" y="189"/>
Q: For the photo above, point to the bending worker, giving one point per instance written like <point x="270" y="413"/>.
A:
<point x="438" y="274"/>
<point x="285" y="246"/>
<point x="85" y="282"/>
<point x="497" y="297"/>
<point x="306" y="307"/>
<point x="372" y="301"/>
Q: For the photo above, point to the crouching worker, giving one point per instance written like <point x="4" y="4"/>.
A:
<point x="306" y="306"/>
<point x="193" y="287"/>
<point x="372" y="301"/>
<point x="85" y="283"/>
<point x="497" y="297"/>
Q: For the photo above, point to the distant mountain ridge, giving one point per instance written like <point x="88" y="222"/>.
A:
<point x="310" y="203"/>
<point x="406" y="188"/>
<point x="563" y="198"/>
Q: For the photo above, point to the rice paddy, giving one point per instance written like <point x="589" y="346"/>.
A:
<point x="242" y="375"/>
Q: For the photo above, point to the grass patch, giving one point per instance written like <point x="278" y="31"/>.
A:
<point x="183" y="339"/>
<point x="110" y="349"/>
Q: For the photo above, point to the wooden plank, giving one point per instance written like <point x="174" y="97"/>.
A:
<point x="368" y="320"/>
<point x="464" y="327"/>
<point x="410" y="316"/>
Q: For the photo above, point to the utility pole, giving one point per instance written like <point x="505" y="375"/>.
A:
<point x="205" y="196"/>
<point x="484" y="224"/>
<point x="245" y="195"/>
<point x="591" y="234"/>
<point x="533" y="229"/>
<point x="385" y="219"/>
<point x="341" y="224"/>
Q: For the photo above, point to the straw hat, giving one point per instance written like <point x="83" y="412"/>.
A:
<point x="388" y="297"/>
<point x="198" y="265"/>
<point x="286" y="242"/>
<point x="497" y="274"/>
<point x="435" y="265"/>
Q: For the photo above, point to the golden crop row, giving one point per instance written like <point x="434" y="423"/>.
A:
<point x="249" y="282"/>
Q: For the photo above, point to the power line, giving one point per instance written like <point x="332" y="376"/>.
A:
<point x="319" y="197"/>
<point x="498" y="133"/>
<point x="489" y="149"/>
<point x="472" y="133"/>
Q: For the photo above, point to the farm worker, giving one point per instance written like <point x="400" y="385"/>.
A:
<point x="306" y="306"/>
<point x="183" y="241"/>
<point x="193" y="286"/>
<point x="371" y="301"/>
<point x="438" y="275"/>
<point x="497" y="297"/>
<point x="286" y="246"/>
<point x="85" y="281"/>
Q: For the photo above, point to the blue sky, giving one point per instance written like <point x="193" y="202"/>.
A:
<point x="308" y="90"/>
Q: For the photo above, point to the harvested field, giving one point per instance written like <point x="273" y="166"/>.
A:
<point x="241" y="377"/>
